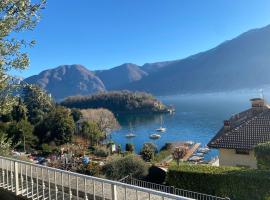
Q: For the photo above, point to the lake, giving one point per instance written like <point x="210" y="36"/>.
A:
<point x="197" y="118"/>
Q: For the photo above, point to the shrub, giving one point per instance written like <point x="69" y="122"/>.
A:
<point x="101" y="152"/>
<point x="46" y="149"/>
<point x="120" y="167"/>
<point x="148" y="151"/>
<point x="92" y="169"/>
<point x="262" y="153"/>
<point x="130" y="147"/>
<point x="234" y="182"/>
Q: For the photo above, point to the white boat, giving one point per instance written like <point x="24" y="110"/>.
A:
<point x="154" y="136"/>
<point x="203" y="150"/>
<point x="195" y="158"/>
<point x="130" y="134"/>
<point x="198" y="154"/>
<point x="161" y="128"/>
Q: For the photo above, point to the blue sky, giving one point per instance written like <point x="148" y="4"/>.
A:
<point x="101" y="34"/>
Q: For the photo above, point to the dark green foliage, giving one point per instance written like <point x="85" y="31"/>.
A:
<point x="118" y="102"/>
<point x="5" y="144"/>
<point x="22" y="132"/>
<point x="7" y="117"/>
<point x="262" y="153"/>
<point x="76" y="114"/>
<point x="130" y="147"/>
<point x="46" y="149"/>
<point x="120" y="167"/>
<point x="148" y="151"/>
<point x="37" y="102"/>
<point x="90" y="131"/>
<point x="58" y="126"/>
<point x="16" y="16"/>
<point x="233" y="182"/>
<point x="19" y="111"/>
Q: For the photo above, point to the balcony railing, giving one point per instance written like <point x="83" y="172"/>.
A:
<point x="170" y="189"/>
<point x="40" y="182"/>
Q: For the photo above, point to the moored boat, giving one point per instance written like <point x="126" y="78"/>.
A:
<point x="154" y="136"/>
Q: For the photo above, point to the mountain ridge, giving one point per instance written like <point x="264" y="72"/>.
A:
<point x="242" y="62"/>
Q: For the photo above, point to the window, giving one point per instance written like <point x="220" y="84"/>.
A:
<point x="242" y="151"/>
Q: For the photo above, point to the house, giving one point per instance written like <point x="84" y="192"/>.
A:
<point x="241" y="133"/>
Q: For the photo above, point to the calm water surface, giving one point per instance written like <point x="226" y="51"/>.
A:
<point x="197" y="118"/>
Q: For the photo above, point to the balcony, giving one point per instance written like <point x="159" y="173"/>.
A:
<point x="40" y="182"/>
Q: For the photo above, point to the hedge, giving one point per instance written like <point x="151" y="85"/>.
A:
<point x="262" y="153"/>
<point x="233" y="182"/>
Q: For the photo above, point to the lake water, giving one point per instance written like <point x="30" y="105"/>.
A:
<point x="197" y="118"/>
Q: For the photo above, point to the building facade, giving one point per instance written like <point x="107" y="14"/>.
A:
<point x="241" y="133"/>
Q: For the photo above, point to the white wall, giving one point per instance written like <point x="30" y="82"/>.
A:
<point x="228" y="157"/>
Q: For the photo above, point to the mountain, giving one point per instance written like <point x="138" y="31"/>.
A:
<point x="119" y="77"/>
<point x="240" y="63"/>
<point x="68" y="80"/>
<point x="243" y="62"/>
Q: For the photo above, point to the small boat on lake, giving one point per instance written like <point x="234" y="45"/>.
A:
<point x="130" y="134"/>
<point x="195" y="158"/>
<point x="154" y="136"/>
<point x="203" y="150"/>
<point x="199" y="154"/>
<point x="161" y="128"/>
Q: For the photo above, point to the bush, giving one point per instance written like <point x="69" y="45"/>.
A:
<point x="148" y="151"/>
<point x="262" y="153"/>
<point x="91" y="169"/>
<point x="46" y="149"/>
<point x="101" y="151"/>
<point x="236" y="183"/>
<point x="120" y="167"/>
<point x="130" y="147"/>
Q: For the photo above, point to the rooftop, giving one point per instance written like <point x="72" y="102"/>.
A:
<point x="244" y="130"/>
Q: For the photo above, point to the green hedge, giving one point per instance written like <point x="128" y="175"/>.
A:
<point x="233" y="182"/>
<point x="262" y="153"/>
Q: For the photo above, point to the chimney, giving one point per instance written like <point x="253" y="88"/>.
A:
<point x="227" y="125"/>
<point x="258" y="104"/>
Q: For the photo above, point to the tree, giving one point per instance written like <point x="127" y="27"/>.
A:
<point x="5" y="144"/>
<point x="19" y="111"/>
<point x="148" y="151"/>
<point x="76" y="114"/>
<point x="58" y="126"/>
<point x="179" y="153"/>
<point x="16" y="16"/>
<point x="130" y="147"/>
<point x="120" y="167"/>
<point x="91" y="131"/>
<point x="104" y="118"/>
<point x="22" y="134"/>
<point x="37" y="101"/>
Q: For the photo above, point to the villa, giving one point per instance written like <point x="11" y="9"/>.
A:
<point x="241" y="133"/>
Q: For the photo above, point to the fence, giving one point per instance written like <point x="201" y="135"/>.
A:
<point x="170" y="189"/>
<point x="40" y="182"/>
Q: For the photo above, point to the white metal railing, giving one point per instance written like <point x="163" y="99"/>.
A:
<point x="170" y="189"/>
<point x="40" y="182"/>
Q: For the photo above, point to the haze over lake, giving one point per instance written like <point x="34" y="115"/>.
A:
<point x="198" y="118"/>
